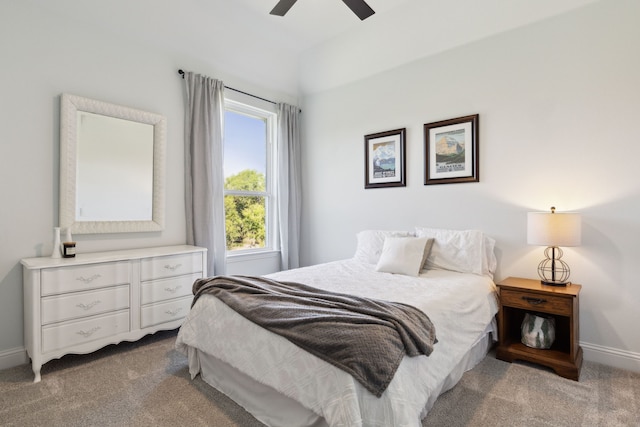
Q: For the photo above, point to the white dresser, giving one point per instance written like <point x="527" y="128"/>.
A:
<point x="81" y="304"/>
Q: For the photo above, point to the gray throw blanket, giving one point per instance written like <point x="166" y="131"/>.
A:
<point x="365" y="337"/>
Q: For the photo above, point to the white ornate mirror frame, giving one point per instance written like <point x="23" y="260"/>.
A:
<point x="71" y="106"/>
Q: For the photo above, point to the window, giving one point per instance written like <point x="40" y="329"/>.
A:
<point x="249" y="200"/>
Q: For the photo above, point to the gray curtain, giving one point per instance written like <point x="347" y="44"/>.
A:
<point x="204" y="178"/>
<point x="289" y="185"/>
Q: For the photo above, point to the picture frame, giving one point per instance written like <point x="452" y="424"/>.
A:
<point x="451" y="150"/>
<point x="384" y="159"/>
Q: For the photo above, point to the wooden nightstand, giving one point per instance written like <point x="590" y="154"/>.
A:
<point x="520" y="296"/>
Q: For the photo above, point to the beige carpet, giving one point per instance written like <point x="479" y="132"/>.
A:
<point x="147" y="384"/>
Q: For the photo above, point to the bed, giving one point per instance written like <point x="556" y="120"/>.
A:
<point x="448" y="277"/>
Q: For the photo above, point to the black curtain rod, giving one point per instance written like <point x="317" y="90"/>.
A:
<point x="239" y="91"/>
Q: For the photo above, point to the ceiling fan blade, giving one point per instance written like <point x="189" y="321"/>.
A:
<point x="282" y="7"/>
<point x="360" y="8"/>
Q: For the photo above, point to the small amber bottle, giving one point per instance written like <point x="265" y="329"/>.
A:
<point x="69" y="249"/>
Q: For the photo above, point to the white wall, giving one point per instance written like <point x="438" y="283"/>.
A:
<point x="45" y="53"/>
<point x="416" y="30"/>
<point x="558" y="102"/>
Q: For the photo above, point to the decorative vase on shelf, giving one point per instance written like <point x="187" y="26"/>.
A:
<point x="538" y="331"/>
<point x="56" y="243"/>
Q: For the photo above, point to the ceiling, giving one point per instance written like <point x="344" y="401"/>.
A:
<point x="319" y="43"/>
<point x="310" y="22"/>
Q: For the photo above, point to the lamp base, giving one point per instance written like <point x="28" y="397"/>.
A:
<point x="552" y="270"/>
<point x="554" y="283"/>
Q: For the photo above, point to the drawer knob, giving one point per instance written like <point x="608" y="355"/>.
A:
<point x="88" y="280"/>
<point x="174" y="312"/>
<point x="89" y="306"/>
<point x="534" y="301"/>
<point x="172" y="290"/>
<point x="173" y="267"/>
<point x="87" y="334"/>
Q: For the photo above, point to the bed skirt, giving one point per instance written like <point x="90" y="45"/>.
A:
<point x="275" y="409"/>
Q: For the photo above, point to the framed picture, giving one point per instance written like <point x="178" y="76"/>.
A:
<point x="384" y="158"/>
<point x="451" y="151"/>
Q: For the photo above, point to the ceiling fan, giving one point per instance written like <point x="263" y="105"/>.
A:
<point x="359" y="7"/>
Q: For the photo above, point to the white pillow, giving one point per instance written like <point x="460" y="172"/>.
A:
<point x="466" y="251"/>
<point x="370" y="243"/>
<point x="404" y="255"/>
<point x="489" y="261"/>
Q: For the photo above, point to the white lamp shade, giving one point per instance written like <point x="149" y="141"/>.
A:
<point x="554" y="229"/>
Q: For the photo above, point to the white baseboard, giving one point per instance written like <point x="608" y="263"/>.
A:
<point x="611" y="356"/>
<point x="13" y="357"/>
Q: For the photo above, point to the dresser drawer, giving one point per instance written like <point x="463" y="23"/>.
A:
<point x="536" y="302"/>
<point x="170" y="266"/>
<point x="86" y="330"/>
<point x="82" y="304"/>
<point x="80" y="278"/>
<point x="164" y="289"/>
<point x="165" y="311"/>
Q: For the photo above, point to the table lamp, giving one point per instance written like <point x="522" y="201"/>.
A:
<point x="553" y="230"/>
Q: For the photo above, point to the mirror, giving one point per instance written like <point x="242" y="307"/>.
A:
<point x="111" y="167"/>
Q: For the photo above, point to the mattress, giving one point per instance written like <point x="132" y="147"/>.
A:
<point x="231" y="351"/>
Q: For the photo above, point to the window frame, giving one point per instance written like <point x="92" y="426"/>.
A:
<point x="264" y="111"/>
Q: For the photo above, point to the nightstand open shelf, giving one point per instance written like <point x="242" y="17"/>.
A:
<point x="521" y="296"/>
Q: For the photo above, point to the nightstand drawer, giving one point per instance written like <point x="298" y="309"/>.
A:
<point x="536" y="302"/>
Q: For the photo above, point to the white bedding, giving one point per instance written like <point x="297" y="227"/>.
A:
<point x="461" y="306"/>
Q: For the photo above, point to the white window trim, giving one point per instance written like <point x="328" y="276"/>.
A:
<point x="254" y="107"/>
<point x="248" y="255"/>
